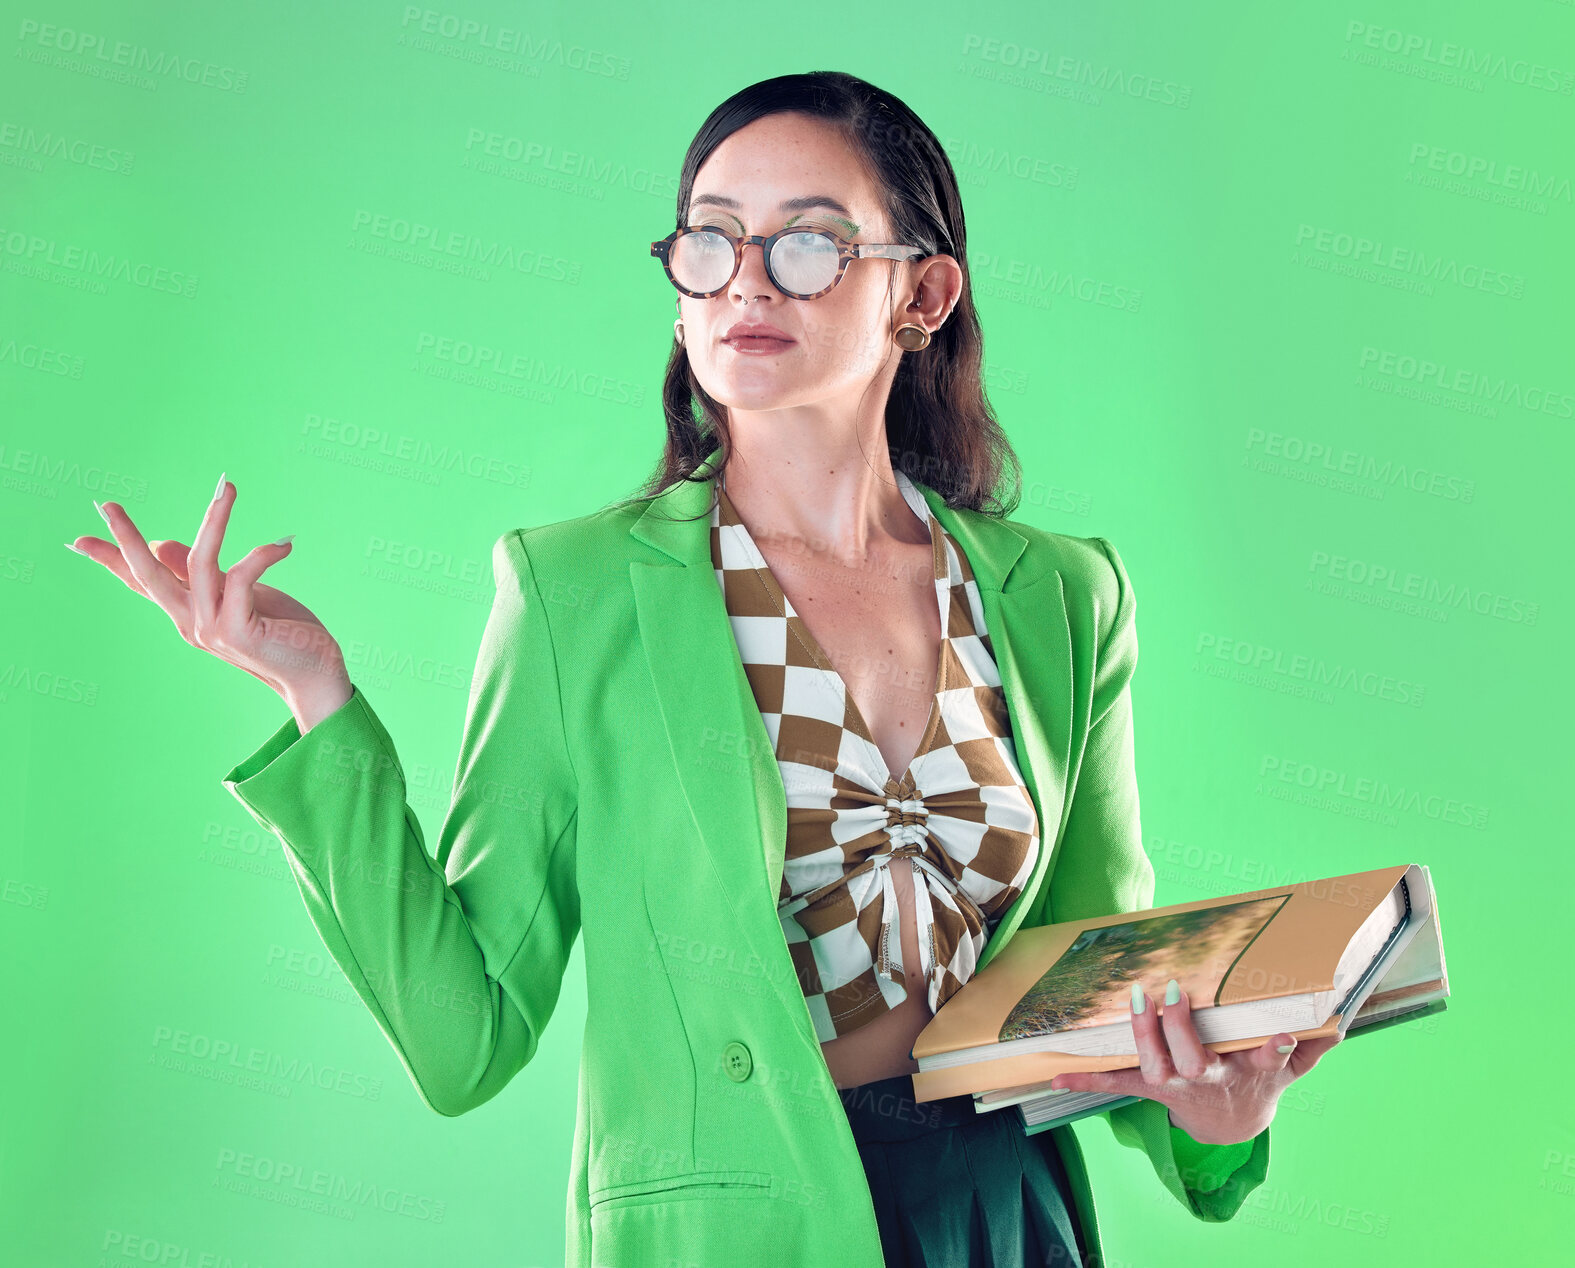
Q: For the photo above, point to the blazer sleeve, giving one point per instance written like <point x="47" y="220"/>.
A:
<point x="460" y="958"/>
<point x="1212" y="1181"/>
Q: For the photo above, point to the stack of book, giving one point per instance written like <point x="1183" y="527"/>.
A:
<point x="1345" y="955"/>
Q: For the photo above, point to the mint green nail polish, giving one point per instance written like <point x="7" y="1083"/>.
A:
<point x="1172" y="992"/>
<point x="1138" y="1002"/>
<point x="1286" y="1047"/>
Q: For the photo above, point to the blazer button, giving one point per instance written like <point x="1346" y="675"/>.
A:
<point x="736" y="1061"/>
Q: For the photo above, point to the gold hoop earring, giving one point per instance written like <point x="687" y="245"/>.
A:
<point x="910" y="338"/>
<point x="678" y="330"/>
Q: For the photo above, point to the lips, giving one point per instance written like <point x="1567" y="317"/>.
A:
<point x="756" y="332"/>
<point x="757" y="346"/>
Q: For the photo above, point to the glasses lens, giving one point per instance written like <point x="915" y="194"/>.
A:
<point x="804" y="263"/>
<point x="701" y="261"/>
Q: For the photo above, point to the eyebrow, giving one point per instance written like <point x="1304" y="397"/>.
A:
<point x="787" y="204"/>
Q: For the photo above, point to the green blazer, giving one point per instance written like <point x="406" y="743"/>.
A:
<point x="615" y="780"/>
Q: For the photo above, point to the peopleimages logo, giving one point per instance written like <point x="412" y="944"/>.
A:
<point x="1317" y="781"/>
<point x="1423" y="371"/>
<point x="1512" y="177"/>
<point x="1467" y="58"/>
<point x="1402" y="260"/>
<point x="182" y="1049"/>
<point x="119" y="60"/>
<point x="32" y="254"/>
<point x="1259" y="665"/>
<point x="1380" y="578"/>
<point x="504" y="42"/>
<point x="1334" y="460"/>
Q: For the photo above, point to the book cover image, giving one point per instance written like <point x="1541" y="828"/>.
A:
<point x="1091" y="983"/>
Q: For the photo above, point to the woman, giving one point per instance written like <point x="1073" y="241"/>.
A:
<point x="683" y="740"/>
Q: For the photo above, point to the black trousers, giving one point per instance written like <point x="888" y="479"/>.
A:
<point x="954" y="1188"/>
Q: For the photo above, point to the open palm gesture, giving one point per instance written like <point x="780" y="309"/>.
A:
<point x="227" y="612"/>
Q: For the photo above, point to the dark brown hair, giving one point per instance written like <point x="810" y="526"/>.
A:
<point x="940" y="428"/>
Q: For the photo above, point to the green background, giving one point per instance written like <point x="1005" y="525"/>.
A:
<point x="1326" y="423"/>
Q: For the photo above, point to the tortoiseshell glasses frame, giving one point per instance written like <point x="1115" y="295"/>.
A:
<point x="846" y="251"/>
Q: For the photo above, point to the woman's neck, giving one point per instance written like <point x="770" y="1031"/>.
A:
<point x="844" y="503"/>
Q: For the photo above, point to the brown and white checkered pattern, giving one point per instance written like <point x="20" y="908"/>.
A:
<point x="960" y="812"/>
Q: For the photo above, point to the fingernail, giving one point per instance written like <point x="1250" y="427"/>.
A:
<point x="219" y="492"/>
<point x="1286" y="1047"/>
<point x="1138" y="1002"/>
<point x="1172" y="992"/>
<point x="103" y="514"/>
<point x="285" y="541"/>
<point x="75" y="547"/>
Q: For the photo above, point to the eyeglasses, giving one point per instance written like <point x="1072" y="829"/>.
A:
<point x="802" y="263"/>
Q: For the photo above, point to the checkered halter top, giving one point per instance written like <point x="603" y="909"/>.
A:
<point x="960" y="812"/>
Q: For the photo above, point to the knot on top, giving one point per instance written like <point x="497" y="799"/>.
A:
<point x="906" y="815"/>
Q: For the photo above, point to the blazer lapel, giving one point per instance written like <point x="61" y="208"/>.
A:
<point x="723" y="756"/>
<point x="1032" y="645"/>
<point x="719" y="744"/>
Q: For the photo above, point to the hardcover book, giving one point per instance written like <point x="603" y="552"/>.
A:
<point x="1345" y="954"/>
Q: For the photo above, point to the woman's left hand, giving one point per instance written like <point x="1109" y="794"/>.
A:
<point x="1217" y="1100"/>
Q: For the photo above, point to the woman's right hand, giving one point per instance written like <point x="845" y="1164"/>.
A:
<point x="230" y="613"/>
